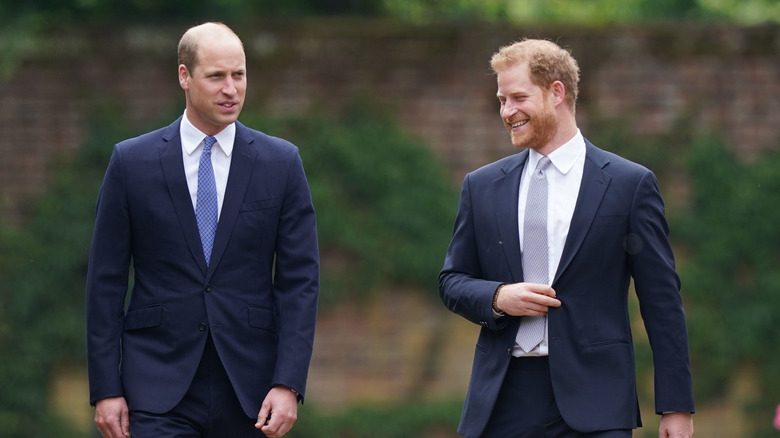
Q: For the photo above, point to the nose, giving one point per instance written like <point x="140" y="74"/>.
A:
<point x="229" y="87"/>
<point x="507" y="110"/>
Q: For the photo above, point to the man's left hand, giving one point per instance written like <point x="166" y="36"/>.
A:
<point x="676" y="425"/>
<point x="278" y="412"/>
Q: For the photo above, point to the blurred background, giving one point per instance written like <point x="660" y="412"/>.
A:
<point x="391" y="102"/>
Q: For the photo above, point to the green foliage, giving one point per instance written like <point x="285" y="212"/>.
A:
<point x="19" y="38"/>
<point x="384" y="205"/>
<point x="145" y="11"/>
<point x="585" y="12"/>
<point x="599" y="12"/>
<point x="731" y="271"/>
<point x="409" y="420"/>
<point x="453" y="10"/>
<point x="746" y="12"/>
<point x="42" y="269"/>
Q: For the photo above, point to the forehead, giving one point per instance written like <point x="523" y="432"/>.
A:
<point x="221" y="53"/>
<point x="515" y="79"/>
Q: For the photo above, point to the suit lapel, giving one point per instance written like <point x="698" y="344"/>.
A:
<point x="241" y="166"/>
<point x="505" y="192"/>
<point x="173" y="169"/>
<point x="594" y="184"/>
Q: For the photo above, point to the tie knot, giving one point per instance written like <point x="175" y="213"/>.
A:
<point x="208" y="142"/>
<point x="543" y="164"/>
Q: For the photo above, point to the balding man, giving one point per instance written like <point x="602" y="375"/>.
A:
<point x="217" y="223"/>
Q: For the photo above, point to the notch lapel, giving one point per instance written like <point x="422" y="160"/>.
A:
<point x="173" y="169"/>
<point x="241" y="166"/>
<point x="594" y="184"/>
<point x="505" y="192"/>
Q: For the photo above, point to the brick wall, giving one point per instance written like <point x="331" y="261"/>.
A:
<point x="435" y="78"/>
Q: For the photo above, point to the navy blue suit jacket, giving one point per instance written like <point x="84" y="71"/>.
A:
<point x="618" y="231"/>
<point x="257" y="297"/>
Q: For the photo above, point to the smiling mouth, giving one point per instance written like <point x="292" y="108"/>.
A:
<point x="518" y="124"/>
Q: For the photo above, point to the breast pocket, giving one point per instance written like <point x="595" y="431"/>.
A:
<point x="254" y="218"/>
<point x="261" y="204"/>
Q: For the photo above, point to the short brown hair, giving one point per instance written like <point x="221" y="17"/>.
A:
<point x="547" y="63"/>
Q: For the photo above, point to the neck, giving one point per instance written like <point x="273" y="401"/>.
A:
<point x="567" y="129"/>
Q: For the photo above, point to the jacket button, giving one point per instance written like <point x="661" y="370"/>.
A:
<point x="208" y="288"/>
<point x="202" y="326"/>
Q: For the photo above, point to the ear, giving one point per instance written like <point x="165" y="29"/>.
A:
<point x="557" y="92"/>
<point x="184" y="77"/>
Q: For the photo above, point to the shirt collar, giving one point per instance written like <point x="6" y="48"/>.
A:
<point x="564" y="157"/>
<point x="191" y="137"/>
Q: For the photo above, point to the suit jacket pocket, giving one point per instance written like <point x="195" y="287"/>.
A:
<point x="143" y="317"/>
<point x="263" y="318"/>
<point x="607" y="342"/>
<point x="260" y="204"/>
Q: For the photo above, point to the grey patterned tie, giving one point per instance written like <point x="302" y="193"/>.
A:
<point x="535" y="262"/>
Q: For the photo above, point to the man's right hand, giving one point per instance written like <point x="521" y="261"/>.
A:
<point x="112" y="417"/>
<point x="531" y="299"/>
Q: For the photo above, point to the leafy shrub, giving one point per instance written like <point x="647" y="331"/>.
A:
<point x="731" y="239"/>
<point x="43" y="270"/>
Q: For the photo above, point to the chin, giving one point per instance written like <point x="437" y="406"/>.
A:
<point x="228" y="120"/>
<point x="519" y="143"/>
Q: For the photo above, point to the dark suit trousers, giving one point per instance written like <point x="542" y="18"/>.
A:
<point x="210" y="409"/>
<point x="526" y="406"/>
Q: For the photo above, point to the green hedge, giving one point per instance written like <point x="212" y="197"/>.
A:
<point x="730" y="235"/>
<point x="42" y="270"/>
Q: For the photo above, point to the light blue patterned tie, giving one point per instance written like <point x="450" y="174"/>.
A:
<point x="535" y="263"/>
<point x="206" y="210"/>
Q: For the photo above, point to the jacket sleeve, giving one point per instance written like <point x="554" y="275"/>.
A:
<point x="658" y="290"/>
<point x="462" y="287"/>
<point x="107" y="283"/>
<point x="296" y="280"/>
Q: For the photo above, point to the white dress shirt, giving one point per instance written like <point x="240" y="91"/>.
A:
<point x="563" y="178"/>
<point x="192" y="148"/>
